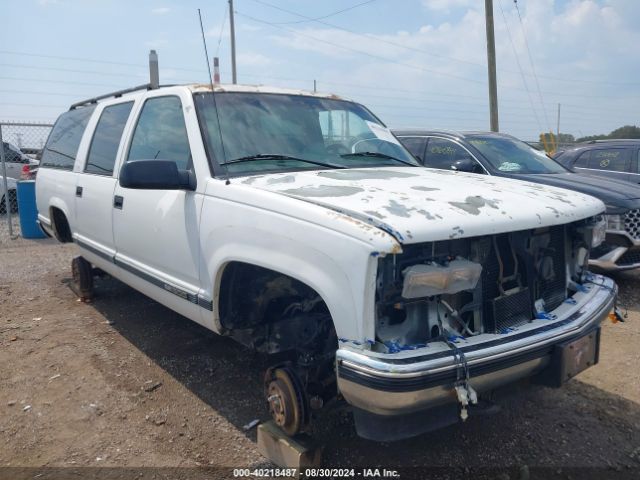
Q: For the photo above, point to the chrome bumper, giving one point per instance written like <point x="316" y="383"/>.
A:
<point x="395" y="384"/>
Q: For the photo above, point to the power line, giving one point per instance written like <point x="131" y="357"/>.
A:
<point x="425" y="52"/>
<point x="377" y="57"/>
<point x="533" y="68"/>
<point x="88" y="60"/>
<point x="515" y="54"/>
<point x="224" y="20"/>
<point x="369" y="37"/>
<point x="66" y="82"/>
<point x="69" y="70"/>
<point x="326" y="16"/>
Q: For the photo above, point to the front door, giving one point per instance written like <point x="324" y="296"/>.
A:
<point x="156" y="231"/>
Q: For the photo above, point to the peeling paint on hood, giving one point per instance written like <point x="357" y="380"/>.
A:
<point x="432" y="204"/>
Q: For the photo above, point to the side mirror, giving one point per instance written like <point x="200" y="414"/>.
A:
<point x="466" y="165"/>
<point x="156" y="175"/>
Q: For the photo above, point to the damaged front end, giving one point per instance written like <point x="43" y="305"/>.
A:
<point x="467" y="315"/>
<point x="471" y="286"/>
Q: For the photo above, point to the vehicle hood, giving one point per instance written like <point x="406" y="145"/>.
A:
<point x="614" y="193"/>
<point x="421" y="204"/>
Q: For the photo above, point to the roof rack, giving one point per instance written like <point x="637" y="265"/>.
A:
<point x="119" y="93"/>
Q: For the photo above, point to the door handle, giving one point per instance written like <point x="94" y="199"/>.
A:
<point x="117" y="202"/>
<point x="78" y="191"/>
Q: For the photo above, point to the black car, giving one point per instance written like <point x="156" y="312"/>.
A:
<point x="608" y="158"/>
<point x="506" y="156"/>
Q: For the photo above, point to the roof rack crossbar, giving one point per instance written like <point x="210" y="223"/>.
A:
<point x="119" y="93"/>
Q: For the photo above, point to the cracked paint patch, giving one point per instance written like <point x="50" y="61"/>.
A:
<point x="368" y="174"/>
<point x="278" y="180"/>
<point x="473" y="204"/>
<point x="397" y="209"/>
<point x="323" y="191"/>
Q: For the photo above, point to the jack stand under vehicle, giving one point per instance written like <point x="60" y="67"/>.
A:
<point x="82" y="273"/>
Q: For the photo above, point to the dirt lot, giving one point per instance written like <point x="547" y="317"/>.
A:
<point x="125" y="382"/>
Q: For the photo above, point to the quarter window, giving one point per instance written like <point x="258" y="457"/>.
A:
<point x="62" y="146"/>
<point x="610" y="159"/>
<point x="161" y="133"/>
<point x="106" y="139"/>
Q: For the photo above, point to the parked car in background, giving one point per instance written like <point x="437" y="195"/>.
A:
<point x="13" y="197"/>
<point x="297" y="224"/>
<point x="618" y="159"/>
<point x="16" y="161"/>
<point x="505" y="156"/>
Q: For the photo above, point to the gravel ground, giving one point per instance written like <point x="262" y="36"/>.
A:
<point x="125" y="382"/>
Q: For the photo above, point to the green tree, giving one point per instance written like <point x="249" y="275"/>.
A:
<point x="628" y="131"/>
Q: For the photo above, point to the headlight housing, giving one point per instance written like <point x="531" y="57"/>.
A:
<point x="615" y="222"/>
<point x="600" y="231"/>
<point x="433" y="279"/>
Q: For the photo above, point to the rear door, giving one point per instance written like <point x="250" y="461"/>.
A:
<point x="443" y="153"/>
<point x="96" y="183"/>
<point x="611" y="162"/>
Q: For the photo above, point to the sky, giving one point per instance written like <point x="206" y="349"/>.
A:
<point x="414" y="63"/>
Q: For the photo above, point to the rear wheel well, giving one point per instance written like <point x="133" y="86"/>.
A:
<point x="60" y="225"/>
<point x="273" y="312"/>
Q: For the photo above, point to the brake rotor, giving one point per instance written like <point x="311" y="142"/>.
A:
<point x="286" y="401"/>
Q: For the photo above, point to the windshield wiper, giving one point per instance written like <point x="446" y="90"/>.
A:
<point x="275" y="156"/>
<point x="379" y="155"/>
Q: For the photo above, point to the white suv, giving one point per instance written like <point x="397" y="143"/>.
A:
<point x="298" y="225"/>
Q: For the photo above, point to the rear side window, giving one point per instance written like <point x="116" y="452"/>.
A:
<point x="106" y="139"/>
<point x="62" y="146"/>
<point x="161" y="133"/>
<point x="610" y="159"/>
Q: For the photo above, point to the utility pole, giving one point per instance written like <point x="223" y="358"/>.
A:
<point x="234" y="79"/>
<point x="558" y="127"/>
<point x="491" y="64"/>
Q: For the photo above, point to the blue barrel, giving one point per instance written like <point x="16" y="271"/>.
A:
<point x="27" y="209"/>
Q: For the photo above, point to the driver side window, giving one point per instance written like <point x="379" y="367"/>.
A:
<point x="444" y="154"/>
<point x="161" y="133"/>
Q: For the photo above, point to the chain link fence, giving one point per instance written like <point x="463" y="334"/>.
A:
<point x="22" y="145"/>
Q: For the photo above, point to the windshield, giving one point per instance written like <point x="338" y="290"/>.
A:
<point x="513" y="156"/>
<point x="264" y="132"/>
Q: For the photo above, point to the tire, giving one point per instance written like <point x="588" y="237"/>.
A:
<point x="82" y="277"/>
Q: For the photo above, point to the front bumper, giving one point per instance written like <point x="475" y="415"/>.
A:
<point x="417" y="380"/>
<point x="623" y="253"/>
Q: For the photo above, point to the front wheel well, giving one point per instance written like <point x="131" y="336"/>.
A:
<point x="273" y="312"/>
<point x="60" y="225"/>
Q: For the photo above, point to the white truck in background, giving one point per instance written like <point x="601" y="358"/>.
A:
<point x="297" y="224"/>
